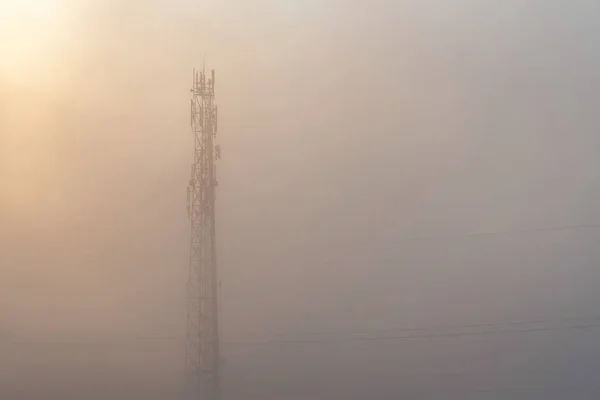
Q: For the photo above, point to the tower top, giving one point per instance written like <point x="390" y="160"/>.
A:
<point x="203" y="85"/>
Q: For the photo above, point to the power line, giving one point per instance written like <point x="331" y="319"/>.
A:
<point x="430" y="238"/>
<point x="483" y="234"/>
<point x="508" y="232"/>
<point x="348" y="336"/>
<point x="445" y="391"/>
<point x="419" y="336"/>
<point x="434" y="328"/>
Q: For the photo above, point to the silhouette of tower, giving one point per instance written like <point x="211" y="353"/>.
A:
<point x="202" y="359"/>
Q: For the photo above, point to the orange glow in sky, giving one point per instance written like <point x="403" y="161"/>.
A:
<point x="29" y="35"/>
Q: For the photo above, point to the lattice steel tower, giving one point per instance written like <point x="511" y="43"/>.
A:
<point x="202" y="362"/>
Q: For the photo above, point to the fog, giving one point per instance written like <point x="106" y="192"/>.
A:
<point x="387" y="165"/>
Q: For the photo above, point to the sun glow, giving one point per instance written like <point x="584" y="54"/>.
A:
<point x="29" y="35"/>
<point x="11" y="9"/>
<point x="32" y="39"/>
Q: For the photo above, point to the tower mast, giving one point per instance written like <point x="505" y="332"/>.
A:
<point x="202" y="359"/>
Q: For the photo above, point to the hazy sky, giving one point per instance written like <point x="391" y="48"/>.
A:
<point x="347" y="128"/>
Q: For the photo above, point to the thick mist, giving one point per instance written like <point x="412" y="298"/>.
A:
<point x="349" y="130"/>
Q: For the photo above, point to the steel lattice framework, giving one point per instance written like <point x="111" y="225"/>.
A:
<point x="202" y="363"/>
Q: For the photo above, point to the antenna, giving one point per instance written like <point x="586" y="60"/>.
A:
<point x="202" y="356"/>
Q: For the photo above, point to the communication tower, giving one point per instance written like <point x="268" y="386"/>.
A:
<point x="202" y="360"/>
